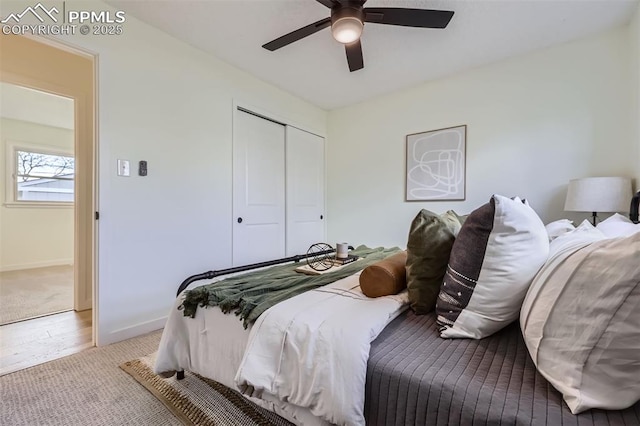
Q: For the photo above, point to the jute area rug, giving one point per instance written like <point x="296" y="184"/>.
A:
<point x="31" y="293"/>
<point x="84" y="389"/>
<point x="196" y="400"/>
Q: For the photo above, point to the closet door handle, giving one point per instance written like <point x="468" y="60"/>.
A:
<point x="239" y="220"/>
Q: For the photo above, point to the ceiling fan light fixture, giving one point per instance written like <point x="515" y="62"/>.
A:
<point x="347" y="22"/>
<point x="347" y="29"/>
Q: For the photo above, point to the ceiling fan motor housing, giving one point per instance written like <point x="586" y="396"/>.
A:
<point x="347" y="11"/>
<point x="347" y="23"/>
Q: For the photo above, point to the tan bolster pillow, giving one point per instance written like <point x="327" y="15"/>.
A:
<point x="385" y="277"/>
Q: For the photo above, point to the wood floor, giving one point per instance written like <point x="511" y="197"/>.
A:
<point x="28" y="343"/>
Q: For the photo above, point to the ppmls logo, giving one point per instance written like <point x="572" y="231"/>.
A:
<point x="16" y="17"/>
<point x="51" y="22"/>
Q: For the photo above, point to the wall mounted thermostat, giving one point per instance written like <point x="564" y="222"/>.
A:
<point x="142" y="168"/>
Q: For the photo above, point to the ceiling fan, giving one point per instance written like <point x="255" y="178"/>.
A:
<point x="348" y="18"/>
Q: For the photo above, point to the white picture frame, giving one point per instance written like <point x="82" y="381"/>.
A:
<point x="436" y="165"/>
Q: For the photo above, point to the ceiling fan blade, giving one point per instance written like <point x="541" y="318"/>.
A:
<point x="331" y="3"/>
<point x="328" y="3"/>
<point x="422" y="18"/>
<point x="297" y="34"/>
<point x="354" y="56"/>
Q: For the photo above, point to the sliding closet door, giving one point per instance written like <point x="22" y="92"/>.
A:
<point x="305" y="190"/>
<point x="258" y="189"/>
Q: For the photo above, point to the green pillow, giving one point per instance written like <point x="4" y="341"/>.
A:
<point x="461" y="219"/>
<point x="431" y="238"/>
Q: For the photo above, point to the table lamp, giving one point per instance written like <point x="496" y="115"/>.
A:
<point x="598" y="194"/>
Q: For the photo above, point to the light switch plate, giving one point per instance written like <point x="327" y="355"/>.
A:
<point x="123" y="168"/>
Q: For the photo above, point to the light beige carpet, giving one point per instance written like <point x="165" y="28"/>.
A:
<point x="200" y="401"/>
<point x="87" y="388"/>
<point x="31" y="293"/>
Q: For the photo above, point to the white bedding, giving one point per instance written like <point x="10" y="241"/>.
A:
<point x="312" y="350"/>
<point x="336" y="320"/>
<point x="212" y="344"/>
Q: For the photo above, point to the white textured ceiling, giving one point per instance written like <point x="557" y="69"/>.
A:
<point x="315" y="68"/>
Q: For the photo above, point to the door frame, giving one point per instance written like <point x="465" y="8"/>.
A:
<point x="85" y="152"/>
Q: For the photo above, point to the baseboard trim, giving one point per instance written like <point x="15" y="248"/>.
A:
<point x="131" y="331"/>
<point x="33" y="265"/>
<point x="84" y="305"/>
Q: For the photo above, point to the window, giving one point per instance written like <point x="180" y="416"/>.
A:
<point x="41" y="176"/>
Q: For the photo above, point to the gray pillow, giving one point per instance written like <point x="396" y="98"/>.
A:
<point x="430" y="241"/>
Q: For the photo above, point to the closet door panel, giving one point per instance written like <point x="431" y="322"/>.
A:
<point x="305" y="190"/>
<point x="258" y="189"/>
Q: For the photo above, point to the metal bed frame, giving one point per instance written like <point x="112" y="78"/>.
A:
<point x="212" y="274"/>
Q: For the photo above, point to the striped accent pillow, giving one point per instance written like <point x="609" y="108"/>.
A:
<point x="581" y="319"/>
<point x="496" y="255"/>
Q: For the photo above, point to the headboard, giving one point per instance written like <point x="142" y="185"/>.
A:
<point x="633" y="210"/>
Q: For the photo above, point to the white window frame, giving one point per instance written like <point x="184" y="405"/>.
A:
<point x="11" y="199"/>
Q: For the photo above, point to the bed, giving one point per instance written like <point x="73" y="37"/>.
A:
<point x="413" y="376"/>
<point x="216" y="346"/>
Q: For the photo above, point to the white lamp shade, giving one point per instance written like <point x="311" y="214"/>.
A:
<point x="598" y="194"/>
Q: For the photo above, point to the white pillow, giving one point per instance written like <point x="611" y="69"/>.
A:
<point x="581" y="319"/>
<point x="618" y="226"/>
<point x="500" y="248"/>
<point x="559" y="227"/>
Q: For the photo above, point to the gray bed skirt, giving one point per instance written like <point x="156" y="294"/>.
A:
<point x="416" y="378"/>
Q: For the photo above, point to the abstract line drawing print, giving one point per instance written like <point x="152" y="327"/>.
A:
<point x="436" y="165"/>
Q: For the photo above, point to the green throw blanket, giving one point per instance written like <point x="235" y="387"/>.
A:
<point x="251" y="294"/>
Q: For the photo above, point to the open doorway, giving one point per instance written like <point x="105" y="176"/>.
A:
<point x="47" y="232"/>
<point x="36" y="222"/>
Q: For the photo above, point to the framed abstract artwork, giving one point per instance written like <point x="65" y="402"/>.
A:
<point x="436" y="165"/>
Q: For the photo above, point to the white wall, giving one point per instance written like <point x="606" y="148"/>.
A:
<point x="21" y="103"/>
<point x="534" y="122"/>
<point x="32" y="237"/>
<point x="163" y="101"/>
